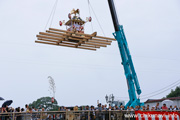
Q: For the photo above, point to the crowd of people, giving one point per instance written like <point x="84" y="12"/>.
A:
<point x="99" y="112"/>
<point x="121" y="107"/>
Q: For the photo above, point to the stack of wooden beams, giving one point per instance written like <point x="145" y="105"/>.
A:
<point x="73" y="39"/>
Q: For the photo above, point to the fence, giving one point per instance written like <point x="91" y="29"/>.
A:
<point x="72" y="115"/>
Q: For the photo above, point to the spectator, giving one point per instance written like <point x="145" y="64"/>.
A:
<point x="147" y="108"/>
<point x="128" y="108"/>
<point x="143" y="108"/>
<point x="138" y="107"/>
<point x="105" y="107"/>
<point x="121" y="107"/>
<point x="175" y="108"/>
<point x="33" y="109"/>
<point x="99" y="115"/>
<point x="99" y="107"/>
<point x="22" y="109"/>
<point x="75" y="108"/>
<point x="26" y="108"/>
<point x="116" y="107"/>
<point x="164" y="107"/>
<point x="33" y="113"/>
<point x="92" y="113"/>
<point x="87" y="107"/>
<point x="110" y="108"/>
<point x="131" y="108"/>
<point x="103" y="113"/>
<point x="44" y="115"/>
<point x="62" y="116"/>
<point x="157" y="107"/>
<point x="64" y="108"/>
<point x="18" y="116"/>
<point x="170" y="108"/>
<point x="6" y="110"/>
<point x="153" y="108"/>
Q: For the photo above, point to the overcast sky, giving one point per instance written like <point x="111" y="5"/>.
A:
<point x="82" y="77"/>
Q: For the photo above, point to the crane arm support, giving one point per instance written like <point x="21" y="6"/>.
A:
<point x="131" y="77"/>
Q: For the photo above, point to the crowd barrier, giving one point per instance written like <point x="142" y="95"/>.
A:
<point x="92" y="115"/>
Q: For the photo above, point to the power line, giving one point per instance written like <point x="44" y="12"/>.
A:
<point x="176" y="82"/>
<point x="159" y="92"/>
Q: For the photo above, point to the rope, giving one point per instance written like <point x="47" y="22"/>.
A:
<point x="90" y="14"/>
<point x="51" y="14"/>
<point x="54" y="12"/>
<point x="97" y="19"/>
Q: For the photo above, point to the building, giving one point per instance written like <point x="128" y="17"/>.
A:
<point x="153" y="102"/>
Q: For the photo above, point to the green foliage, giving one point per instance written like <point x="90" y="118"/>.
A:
<point x="45" y="102"/>
<point x="174" y="93"/>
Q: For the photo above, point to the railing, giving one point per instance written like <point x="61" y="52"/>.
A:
<point x="69" y="115"/>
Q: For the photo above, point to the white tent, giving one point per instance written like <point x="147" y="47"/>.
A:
<point x="167" y="102"/>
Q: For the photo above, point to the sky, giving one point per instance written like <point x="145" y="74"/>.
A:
<point x="82" y="77"/>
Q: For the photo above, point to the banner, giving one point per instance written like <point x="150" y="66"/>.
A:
<point x="156" y="115"/>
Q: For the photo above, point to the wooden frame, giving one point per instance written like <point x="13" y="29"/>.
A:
<point x="73" y="39"/>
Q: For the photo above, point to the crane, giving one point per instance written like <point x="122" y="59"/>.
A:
<point x="131" y="77"/>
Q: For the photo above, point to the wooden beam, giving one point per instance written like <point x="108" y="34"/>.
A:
<point x="54" y="35"/>
<point x="43" y="39"/>
<point x="57" y="41"/>
<point x="83" y="37"/>
<point x="61" y="30"/>
<point x="65" y="45"/>
<point x="89" y="35"/>
<point x="64" y="42"/>
<point x="82" y="44"/>
<point x="54" y="38"/>
<point x="93" y="46"/>
<point x="88" y="43"/>
<point x="94" y="38"/>
<point x="86" y="48"/>
<point x="77" y="39"/>
<point x="46" y="42"/>
<point x="76" y="35"/>
<point x="55" y="44"/>
<point x="54" y="29"/>
<point x="47" y="38"/>
<point x="106" y="38"/>
<point x="106" y="43"/>
<point x="65" y="34"/>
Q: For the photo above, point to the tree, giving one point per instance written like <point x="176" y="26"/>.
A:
<point x="45" y="102"/>
<point x="174" y="93"/>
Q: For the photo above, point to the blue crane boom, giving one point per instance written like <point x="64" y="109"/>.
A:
<point x="131" y="77"/>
